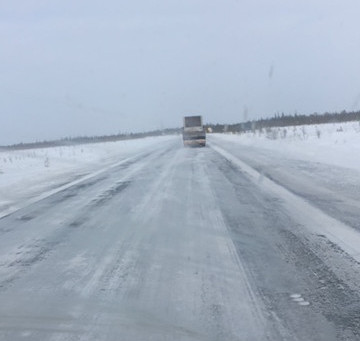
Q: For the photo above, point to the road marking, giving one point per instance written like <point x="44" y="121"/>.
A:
<point x="299" y="300"/>
<point x="305" y="303"/>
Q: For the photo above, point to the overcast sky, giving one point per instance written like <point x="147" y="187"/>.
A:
<point x="70" y="68"/>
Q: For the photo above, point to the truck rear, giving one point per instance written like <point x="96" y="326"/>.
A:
<point x="194" y="131"/>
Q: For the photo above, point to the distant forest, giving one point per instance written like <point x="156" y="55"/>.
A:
<point x="282" y="120"/>
<point x="279" y="120"/>
<point x="90" y="139"/>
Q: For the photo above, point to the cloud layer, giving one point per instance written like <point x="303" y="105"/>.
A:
<point x="90" y="67"/>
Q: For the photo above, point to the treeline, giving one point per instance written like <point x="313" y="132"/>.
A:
<point x="279" y="120"/>
<point x="91" y="139"/>
<point x="282" y="120"/>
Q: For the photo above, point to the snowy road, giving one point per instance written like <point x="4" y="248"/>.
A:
<point x="215" y="243"/>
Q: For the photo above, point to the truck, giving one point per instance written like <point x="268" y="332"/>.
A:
<point x="194" y="132"/>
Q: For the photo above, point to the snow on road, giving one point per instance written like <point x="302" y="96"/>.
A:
<point x="314" y="219"/>
<point x="130" y="262"/>
<point x="26" y="174"/>
<point x="175" y="243"/>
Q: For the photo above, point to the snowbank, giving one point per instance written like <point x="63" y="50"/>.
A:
<point x="336" y="143"/>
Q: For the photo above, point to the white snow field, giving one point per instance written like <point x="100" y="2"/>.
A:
<point x="333" y="143"/>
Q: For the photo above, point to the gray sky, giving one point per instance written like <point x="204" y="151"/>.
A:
<point x="70" y="68"/>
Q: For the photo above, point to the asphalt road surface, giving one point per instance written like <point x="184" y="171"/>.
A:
<point x="214" y="243"/>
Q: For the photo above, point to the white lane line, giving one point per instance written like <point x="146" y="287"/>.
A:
<point x="299" y="300"/>
<point x="315" y="220"/>
<point x="21" y="205"/>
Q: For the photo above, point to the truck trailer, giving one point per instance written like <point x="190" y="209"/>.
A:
<point x="194" y="132"/>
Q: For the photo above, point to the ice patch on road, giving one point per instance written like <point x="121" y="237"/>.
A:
<point x="79" y="261"/>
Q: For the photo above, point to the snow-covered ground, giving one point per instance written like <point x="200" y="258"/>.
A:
<point x="242" y="240"/>
<point x="24" y="174"/>
<point x="315" y="170"/>
<point x="27" y="173"/>
<point x="335" y="143"/>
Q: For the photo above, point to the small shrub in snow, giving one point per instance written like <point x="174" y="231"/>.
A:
<point x="268" y="133"/>
<point x="46" y="162"/>
<point x="272" y="134"/>
<point x="283" y="134"/>
<point x="304" y="134"/>
<point x="318" y="133"/>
